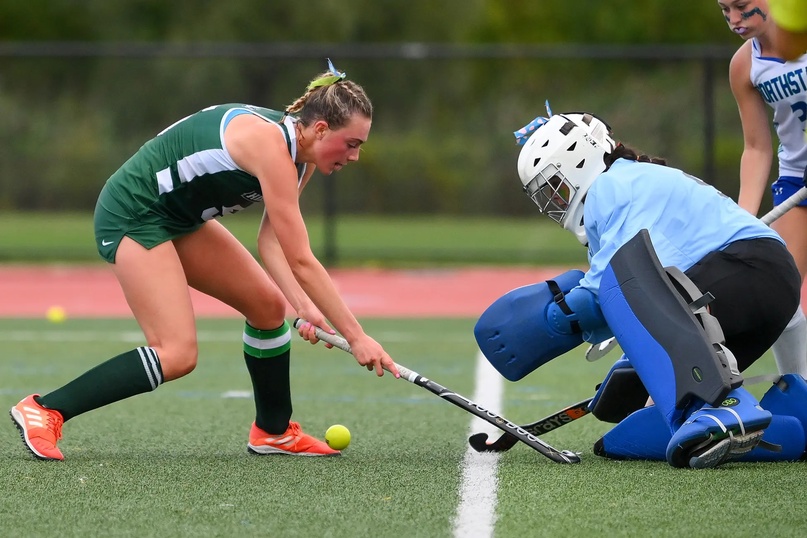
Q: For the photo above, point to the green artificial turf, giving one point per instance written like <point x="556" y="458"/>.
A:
<point x="174" y="462"/>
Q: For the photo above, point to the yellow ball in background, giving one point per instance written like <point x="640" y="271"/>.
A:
<point x="337" y="437"/>
<point x="56" y="314"/>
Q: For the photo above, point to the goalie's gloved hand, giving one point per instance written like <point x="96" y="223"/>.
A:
<point x="578" y="312"/>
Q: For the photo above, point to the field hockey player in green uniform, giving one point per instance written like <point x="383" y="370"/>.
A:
<point x="155" y="224"/>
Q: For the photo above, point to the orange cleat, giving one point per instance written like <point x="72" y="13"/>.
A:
<point x="293" y="442"/>
<point x="40" y="428"/>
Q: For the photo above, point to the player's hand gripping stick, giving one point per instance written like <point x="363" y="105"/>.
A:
<point x="558" y="456"/>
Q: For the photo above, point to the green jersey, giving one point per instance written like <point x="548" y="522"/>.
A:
<point x="181" y="178"/>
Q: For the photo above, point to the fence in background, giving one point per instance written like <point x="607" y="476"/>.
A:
<point x="441" y="140"/>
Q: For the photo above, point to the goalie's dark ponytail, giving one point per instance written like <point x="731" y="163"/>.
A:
<point x="624" y="152"/>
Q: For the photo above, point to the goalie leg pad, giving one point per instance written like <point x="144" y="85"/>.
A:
<point x="656" y="329"/>
<point x="787" y="400"/>
<point x="513" y="332"/>
<point x="643" y="435"/>
<point x="786" y="432"/>
<point x="620" y="394"/>
<point x="788" y="396"/>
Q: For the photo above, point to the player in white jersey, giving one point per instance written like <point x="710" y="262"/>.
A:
<point x="759" y="79"/>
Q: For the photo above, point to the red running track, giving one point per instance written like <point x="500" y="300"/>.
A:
<point x="93" y="292"/>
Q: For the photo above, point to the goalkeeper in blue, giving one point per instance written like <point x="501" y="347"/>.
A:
<point x="694" y="289"/>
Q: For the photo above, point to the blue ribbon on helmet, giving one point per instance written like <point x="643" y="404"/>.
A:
<point x="523" y="134"/>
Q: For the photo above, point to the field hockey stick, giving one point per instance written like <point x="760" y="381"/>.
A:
<point x="478" y="441"/>
<point x="794" y="200"/>
<point x="505" y="442"/>
<point x="558" y="456"/>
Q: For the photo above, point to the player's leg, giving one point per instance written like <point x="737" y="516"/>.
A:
<point x="757" y="289"/>
<point x="234" y="277"/>
<point x="154" y="284"/>
<point x="790" y="350"/>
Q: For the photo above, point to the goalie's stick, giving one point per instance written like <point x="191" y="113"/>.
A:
<point x="478" y="441"/>
<point x="558" y="456"/>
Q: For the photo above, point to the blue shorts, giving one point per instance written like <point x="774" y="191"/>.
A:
<point x="785" y="187"/>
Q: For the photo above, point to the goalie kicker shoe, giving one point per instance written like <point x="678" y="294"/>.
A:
<point x="715" y="435"/>
<point x="40" y="428"/>
<point x="293" y="442"/>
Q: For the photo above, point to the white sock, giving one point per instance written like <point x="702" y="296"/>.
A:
<point x="790" y="350"/>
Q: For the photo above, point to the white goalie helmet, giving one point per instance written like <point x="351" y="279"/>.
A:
<point x="558" y="164"/>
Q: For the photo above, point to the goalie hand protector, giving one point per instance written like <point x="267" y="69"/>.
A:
<point x="514" y="334"/>
<point x="577" y="311"/>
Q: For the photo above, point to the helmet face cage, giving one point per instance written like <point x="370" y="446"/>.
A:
<point x="575" y="144"/>
<point x="551" y="192"/>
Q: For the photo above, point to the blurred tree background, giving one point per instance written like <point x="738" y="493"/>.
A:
<point x="84" y="83"/>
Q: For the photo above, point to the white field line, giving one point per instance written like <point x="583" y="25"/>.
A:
<point x="476" y="512"/>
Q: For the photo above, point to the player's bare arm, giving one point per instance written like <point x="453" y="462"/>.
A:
<point x="757" y="157"/>
<point x="255" y="146"/>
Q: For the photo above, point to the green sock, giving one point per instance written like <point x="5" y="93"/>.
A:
<point x="267" y="356"/>
<point x="128" y="374"/>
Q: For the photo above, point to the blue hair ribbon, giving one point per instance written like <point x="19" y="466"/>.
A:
<point x="523" y="134"/>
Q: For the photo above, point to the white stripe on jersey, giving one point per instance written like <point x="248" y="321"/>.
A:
<point x="209" y="161"/>
<point x="164" y="181"/>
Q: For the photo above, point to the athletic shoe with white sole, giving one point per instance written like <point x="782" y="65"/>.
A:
<point x="293" y="442"/>
<point x="40" y="428"/>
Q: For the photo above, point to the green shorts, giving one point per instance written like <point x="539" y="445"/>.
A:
<point x="115" y="218"/>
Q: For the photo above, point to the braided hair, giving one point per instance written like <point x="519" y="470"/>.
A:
<point x="334" y="102"/>
<point x="624" y="152"/>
